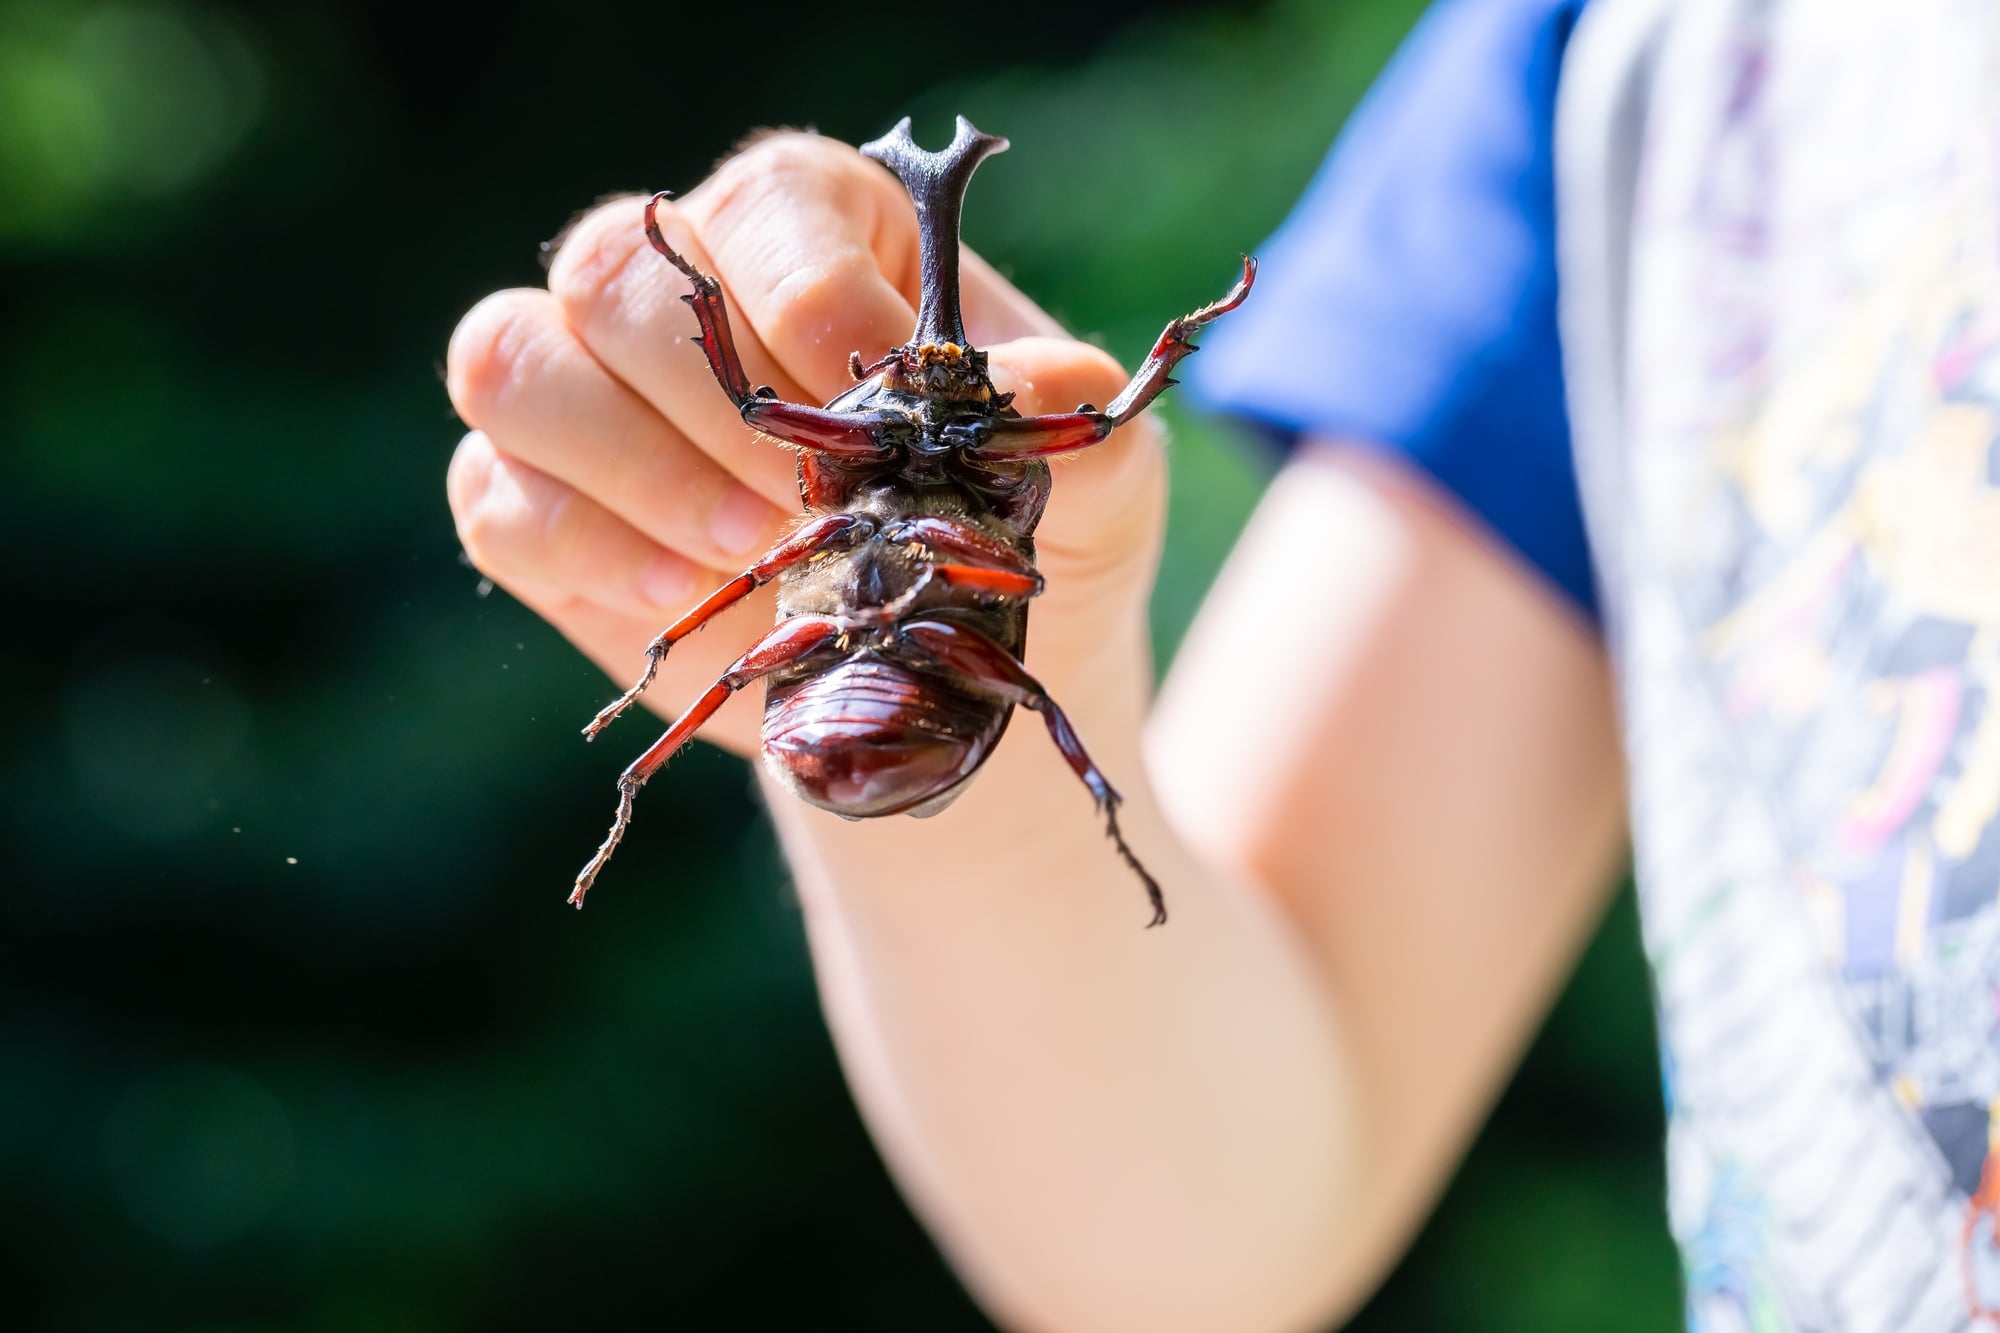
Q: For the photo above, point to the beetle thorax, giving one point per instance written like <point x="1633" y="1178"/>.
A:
<point x="944" y="373"/>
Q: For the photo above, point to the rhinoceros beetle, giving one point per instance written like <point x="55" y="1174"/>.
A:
<point x="903" y="595"/>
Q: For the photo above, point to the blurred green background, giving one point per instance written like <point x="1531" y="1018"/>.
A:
<point x="296" y="1032"/>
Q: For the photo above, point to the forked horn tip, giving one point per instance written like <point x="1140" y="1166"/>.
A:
<point x="884" y="148"/>
<point x="899" y="142"/>
<point x="969" y="133"/>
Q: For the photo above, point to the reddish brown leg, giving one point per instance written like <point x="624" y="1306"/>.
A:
<point x="783" y="646"/>
<point x="1000" y="582"/>
<point x="854" y="436"/>
<point x="1054" y="433"/>
<point x="1066" y="432"/>
<point x="963" y="543"/>
<point x="972" y="656"/>
<point x="816" y="536"/>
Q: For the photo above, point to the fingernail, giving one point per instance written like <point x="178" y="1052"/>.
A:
<point x="742" y="520"/>
<point x="667" y="581"/>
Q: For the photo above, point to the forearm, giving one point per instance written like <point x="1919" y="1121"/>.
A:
<point x="1108" y="1126"/>
<point x="1406" y="803"/>
<point x="1395" y="764"/>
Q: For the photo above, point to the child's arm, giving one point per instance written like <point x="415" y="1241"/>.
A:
<point x="1385" y="804"/>
<point x="1384" y="797"/>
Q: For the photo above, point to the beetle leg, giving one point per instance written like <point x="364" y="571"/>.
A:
<point x="854" y="436"/>
<point x="851" y="437"/>
<point x="1038" y="437"/>
<point x="974" y="578"/>
<point x="790" y="641"/>
<point x="1000" y="582"/>
<point x="1174" y="344"/>
<point x="1066" y="432"/>
<point x="808" y="541"/>
<point x="718" y="344"/>
<point x="963" y="543"/>
<point x="971" y="656"/>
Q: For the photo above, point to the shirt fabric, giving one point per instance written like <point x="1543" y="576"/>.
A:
<point x="1780" y="257"/>
<point x="1779" y="308"/>
<point x="1410" y="300"/>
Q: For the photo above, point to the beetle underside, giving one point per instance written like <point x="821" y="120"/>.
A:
<point x="903" y="596"/>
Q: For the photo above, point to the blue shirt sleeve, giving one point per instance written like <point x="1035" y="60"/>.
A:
<point x="1410" y="299"/>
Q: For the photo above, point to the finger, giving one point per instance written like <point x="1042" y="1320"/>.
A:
<point x="623" y="301"/>
<point x="1054" y="374"/>
<point x="804" y="228"/>
<point x="517" y="371"/>
<point x="819" y="245"/>
<point x="817" y="250"/>
<point x="543" y="537"/>
<point x="996" y="311"/>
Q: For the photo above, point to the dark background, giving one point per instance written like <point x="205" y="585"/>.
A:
<point x="295" y="1030"/>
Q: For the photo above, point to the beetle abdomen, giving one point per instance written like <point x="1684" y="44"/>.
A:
<point x="873" y="737"/>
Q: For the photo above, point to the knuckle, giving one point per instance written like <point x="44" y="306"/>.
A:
<point x="487" y="352"/>
<point x="479" y="535"/>
<point x="1055" y="374"/>
<point x="560" y="530"/>
<point x="465" y="479"/>
<point x="1097" y="372"/>
<point x="787" y="164"/>
<point x="737" y="191"/>
<point x="813" y="297"/>
<point x="596" y="254"/>
<point x="490" y="523"/>
<point x="790" y="153"/>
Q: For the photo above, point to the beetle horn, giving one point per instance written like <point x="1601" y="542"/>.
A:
<point x="936" y="182"/>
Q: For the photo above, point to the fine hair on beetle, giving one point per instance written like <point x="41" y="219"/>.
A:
<point x="903" y="597"/>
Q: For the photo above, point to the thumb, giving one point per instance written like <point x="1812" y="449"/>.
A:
<point x="1107" y="503"/>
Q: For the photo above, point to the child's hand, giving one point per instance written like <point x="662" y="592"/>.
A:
<point x="609" y="483"/>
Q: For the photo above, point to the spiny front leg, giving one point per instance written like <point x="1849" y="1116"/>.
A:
<point x="972" y="656"/>
<point x="718" y="344"/>
<point x="856" y="437"/>
<point x="823" y="533"/>
<point x="1066" y="432"/>
<point x="1174" y="344"/>
<point x="792" y="640"/>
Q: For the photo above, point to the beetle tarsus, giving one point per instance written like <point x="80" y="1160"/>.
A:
<point x="701" y="280"/>
<point x="1067" y="432"/>
<point x="656" y="652"/>
<point x="780" y="648"/>
<point x="815" y="538"/>
<point x="1175" y="342"/>
<point x="628" y="787"/>
<point x="1109" y="807"/>
<point x="972" y="657"/>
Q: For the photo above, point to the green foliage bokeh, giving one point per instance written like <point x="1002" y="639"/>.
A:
<point x="295" y="1032"/>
